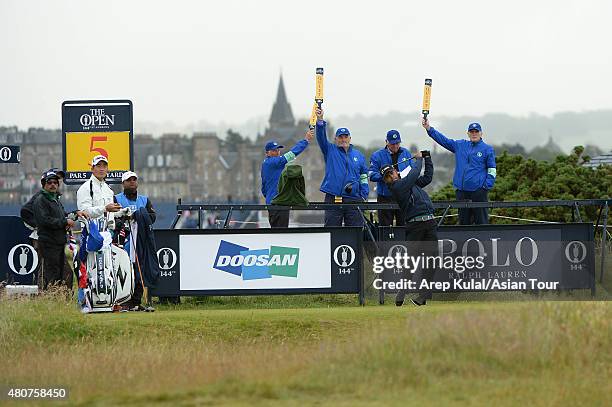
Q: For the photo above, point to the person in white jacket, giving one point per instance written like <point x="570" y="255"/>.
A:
<point x="95" y="196"/>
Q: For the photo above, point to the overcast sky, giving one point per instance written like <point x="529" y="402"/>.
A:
<point x="186" y="61"/>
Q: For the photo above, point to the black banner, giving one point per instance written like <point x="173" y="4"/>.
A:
<point x="504" y="257"/>
<point x="100" y="115"/>
<point x="340" y="264"/>
<point x="19" y="261"/>
<point x="10" y="154"/>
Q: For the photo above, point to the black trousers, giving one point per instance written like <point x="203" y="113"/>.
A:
<point x="478" y="216"/>
<point x="53" y="263"/>
<point x="138" y="289"/>
<point x="422" y="239"/>
<point x="278" y="219"/>
<point x="385" y="216"/>
<point x="335" y="217"/>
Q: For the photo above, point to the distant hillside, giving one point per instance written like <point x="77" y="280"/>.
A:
<point x="567" y="129"/>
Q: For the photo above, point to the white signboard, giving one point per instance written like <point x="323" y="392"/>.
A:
<point x="255" y="261"/>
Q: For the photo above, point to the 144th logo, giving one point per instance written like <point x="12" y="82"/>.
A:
<point x="23" y="259"/>
<point x="344" y="257"/>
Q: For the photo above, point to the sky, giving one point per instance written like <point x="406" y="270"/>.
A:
<point x="219" y="61"/>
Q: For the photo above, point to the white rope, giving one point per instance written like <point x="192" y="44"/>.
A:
<point x="505" y="217"/>
<point x="218" y="221"/>
<point x="531" y="220"/>
<point x="525" y="220"/>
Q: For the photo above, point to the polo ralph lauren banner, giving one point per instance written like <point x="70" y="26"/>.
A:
<point x="489" y="258"/>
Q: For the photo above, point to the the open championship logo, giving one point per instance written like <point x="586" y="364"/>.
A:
<point x="97" y="119"/>
<point x="257" y="263"/>
<point x="166" y="257"/>
<point x="394" y="251"/>
<point x="5" y="154"/>
<point x="575" y="253"/>
<point x="344" y="257"/>
<point x="23" y="259"/>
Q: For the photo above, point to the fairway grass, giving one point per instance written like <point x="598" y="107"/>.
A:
<point x="451" y="353"/>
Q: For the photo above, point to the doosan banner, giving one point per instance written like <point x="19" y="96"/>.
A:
<point x="234" y="262"/>
<point x="286" y="260"/>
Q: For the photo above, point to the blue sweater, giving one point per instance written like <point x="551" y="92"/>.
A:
<point x="342" y="168"/>
<point x="379" y="159"/>
<point x="475" y="166"/>
<point x="272" y="167"/>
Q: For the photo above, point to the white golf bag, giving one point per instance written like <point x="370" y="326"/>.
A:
<point x="110" y="278"/>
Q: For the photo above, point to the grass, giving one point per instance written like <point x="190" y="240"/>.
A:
<point x="330" y="353"/>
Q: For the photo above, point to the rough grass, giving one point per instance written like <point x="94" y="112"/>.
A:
<point x="453" y="353"/>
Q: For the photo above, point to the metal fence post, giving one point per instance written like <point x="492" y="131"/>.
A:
<point x="603" y="242"/>
<point x="443" y="215"/>
<point x="179" y="213"/>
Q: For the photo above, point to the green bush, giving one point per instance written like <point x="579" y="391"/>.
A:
<point x="521" y="179"/>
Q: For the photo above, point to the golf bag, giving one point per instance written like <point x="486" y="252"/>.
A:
<point x="110" y="278"/>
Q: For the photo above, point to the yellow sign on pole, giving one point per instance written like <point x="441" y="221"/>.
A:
<point x="319" y="86"/>
<point x="426" y="97"/>
<point x="313" y="116"/>
<point x="97" y="127"/>
<point x="82" y="147"/>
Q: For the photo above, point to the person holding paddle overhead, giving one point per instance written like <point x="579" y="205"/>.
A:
<point x="475" y="170"/>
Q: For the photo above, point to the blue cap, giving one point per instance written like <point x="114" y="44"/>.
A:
<point x="273" y="145"/>
<point x="343" y="131"/>
<point x="393" y="137"/>
<point x="474" y="126"/>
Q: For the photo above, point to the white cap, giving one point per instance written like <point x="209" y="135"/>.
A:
<point x="127" y="175"/>
<point x="97" y="159"/>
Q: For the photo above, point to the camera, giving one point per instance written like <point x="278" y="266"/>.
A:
<point x="425" y="153"/>
<point x="348" y="188"/>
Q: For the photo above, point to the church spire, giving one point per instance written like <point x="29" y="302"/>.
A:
<point x="281" y="111"/>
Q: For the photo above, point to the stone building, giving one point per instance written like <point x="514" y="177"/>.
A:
<point x="197" y="168"/>
<point x="282" y="127"/>
<point x="41" y="149"/>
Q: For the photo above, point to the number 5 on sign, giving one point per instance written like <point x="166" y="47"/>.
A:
<point x="98" y="149"/>
<point x="82" y="147"/>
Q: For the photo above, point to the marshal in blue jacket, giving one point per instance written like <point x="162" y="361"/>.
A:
<point x="272" y="167"/>
<point x="379" y="159"/>
<point x="342" y="168"/>
<point x="475" y="166"/>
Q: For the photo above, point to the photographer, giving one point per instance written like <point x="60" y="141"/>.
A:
<point x="417" y="210"/>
